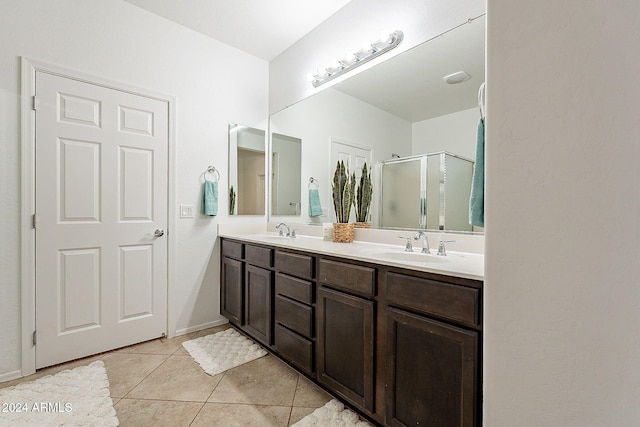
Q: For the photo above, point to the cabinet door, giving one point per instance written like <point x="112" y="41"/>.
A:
<point x="431" y="372"/>
<point x="231" y="290"/>
<point x="346" y="346"/>
<point x="258" y="294"/>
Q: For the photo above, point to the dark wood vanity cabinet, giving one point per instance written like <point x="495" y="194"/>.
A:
<point x="294" y="315"/>
<point x="346" y="331"/>
<point x="431" y="372"/>
<point x="232" y="282"/>
<point x="432" y="352"/>
<point x="346" y="346"/>
<point x="258" y="293"/>
<point x="404" y="347"/>
<point x="258" y="297"/>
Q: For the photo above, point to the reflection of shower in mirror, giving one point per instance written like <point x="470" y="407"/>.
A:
<point x="433" y="190"/>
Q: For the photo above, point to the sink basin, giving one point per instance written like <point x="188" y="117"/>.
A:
<point x="274" y="238"/>
<point x="412" y="257"/>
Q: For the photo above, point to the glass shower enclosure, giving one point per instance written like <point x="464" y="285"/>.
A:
<point x="429" y="192"/>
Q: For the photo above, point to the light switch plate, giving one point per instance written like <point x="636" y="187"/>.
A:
<point x="186" y="211"/>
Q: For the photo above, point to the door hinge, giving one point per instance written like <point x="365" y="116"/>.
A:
<point x="35" y="221"/>
<point x="35" y="103"/>
<point x="34" y="339"/>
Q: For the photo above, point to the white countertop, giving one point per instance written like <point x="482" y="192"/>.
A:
<point x="457" y="264"/>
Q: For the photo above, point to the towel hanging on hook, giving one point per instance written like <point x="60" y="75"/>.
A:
<point x="476" y="199"/>
<point x="481" y="100"/>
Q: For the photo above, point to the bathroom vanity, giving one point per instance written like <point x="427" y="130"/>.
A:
<point x="400" y="341"/>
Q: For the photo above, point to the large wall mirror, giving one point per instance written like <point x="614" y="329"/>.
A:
<point x="247" y="185"/>
<point x="400" y="108"/>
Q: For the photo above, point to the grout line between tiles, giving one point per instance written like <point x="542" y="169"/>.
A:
<point x="197" y="413"/>
<point x="163" y="400"/>
<point x="216" y="386"/>
<point x="289" y="419"/>
<point x="147" y="376"/>
<point x="243" y="404"/>
<point x="295" y="391"/>
<point x="248" y="404"/>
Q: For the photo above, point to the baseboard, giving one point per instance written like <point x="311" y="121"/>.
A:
<point x="197" y="328"/>
<point x="10" y="376"/>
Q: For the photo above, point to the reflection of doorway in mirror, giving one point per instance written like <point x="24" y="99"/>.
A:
<point x="261" y="191"/>
<point x="246" y="163"/>
<point x="275" y="176"/>
<point x="354" y="156"/>
<point x="250" y="167"/>
<point x="286" y="184"/>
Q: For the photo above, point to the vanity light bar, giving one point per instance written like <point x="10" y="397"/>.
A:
<point x="350" y="61"/>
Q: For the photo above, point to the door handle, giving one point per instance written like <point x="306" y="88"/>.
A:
<point x="159" y="232"/>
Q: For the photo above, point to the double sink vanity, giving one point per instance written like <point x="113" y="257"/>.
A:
<point x="397" y="335"/>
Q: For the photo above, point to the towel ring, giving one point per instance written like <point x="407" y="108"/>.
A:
<point x="213" y="171"/>
<point x="313" y="181"/>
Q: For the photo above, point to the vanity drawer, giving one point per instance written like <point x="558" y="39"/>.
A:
<point x="232" y="249"/>
<point x="294" y="348"/>
<point x="297" y="289"/>
<point x="257" y="255"/>
<point x="295" y="264"/>
<point x="294" y="315"/>
<point x="349" y="277"/>
<point x="434" y="297"/>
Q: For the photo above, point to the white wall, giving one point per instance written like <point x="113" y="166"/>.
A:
<point x="332" y="114"/>
<point x="562" y="306"/>
<point x="359" y="20"/>
<point x="455" y="133"/>
<point x="213" y="83"/>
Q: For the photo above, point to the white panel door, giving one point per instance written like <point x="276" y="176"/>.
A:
<point x="354" y="156"/>
<point x="101" y="194"/>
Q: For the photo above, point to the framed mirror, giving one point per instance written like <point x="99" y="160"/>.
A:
<point x="407" y="106"/>
<point x="247" y="170"/>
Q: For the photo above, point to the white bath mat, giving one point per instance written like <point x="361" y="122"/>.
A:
<point x="76" y="397"/>
<point x="333" y="414"/>
<point x="224" y="350"/>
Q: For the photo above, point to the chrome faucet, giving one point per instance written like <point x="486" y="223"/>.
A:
<point x="408" y="247"/>
<point x="442" y="250"/>
<point x="425" y="241"/>
<point x="279" y="228"/>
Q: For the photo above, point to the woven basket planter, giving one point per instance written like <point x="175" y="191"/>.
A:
<point x="362" y="224"/>
<point x="343" y="232"/>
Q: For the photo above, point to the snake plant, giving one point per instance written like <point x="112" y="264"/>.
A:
<point x="343" y="189"/>
<point x="232" y="200"/>
<point x="363" y="195"/>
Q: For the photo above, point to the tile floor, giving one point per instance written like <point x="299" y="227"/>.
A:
<point x="157" y="383"/>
